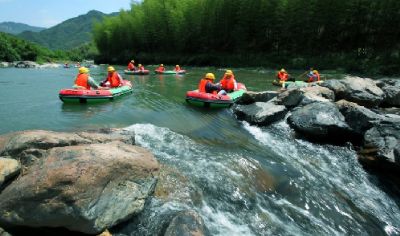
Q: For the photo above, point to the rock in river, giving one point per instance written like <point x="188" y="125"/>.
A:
<point x="86" y="188"/>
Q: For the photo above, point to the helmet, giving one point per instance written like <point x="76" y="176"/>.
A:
<point x="110" y="69"/>
<point x="283" y="70"/>
<point x="177" y="66"/>
<point x="161" y="64"/>
<point x="315" y="71"/>
<point x="83" y="70"/>
<point x="228" y="72"/>
<point x="210" y="76"/>
<point x="140" y="65"/>
<point x="132" y="61"/>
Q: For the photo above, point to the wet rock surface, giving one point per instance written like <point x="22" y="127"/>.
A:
<point x="186" y="223"/>
<point x="8" y="169"/>
<point x="260" y="113"/>
<point x="85" y="182"/>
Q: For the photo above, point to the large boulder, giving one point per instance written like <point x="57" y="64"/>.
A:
<point x="320" y="121"/>
<point x="252" y="97"/>
<point x="8" y="169"/>
<point x="4" y="233"/>
<point x="290" y="97"/>
<point x="186" y="223"/>
<point x="260" y="113"/>
<point x="336" y="86"/>
<point x="383" y="138"/>
<point x="28" y="146"/>
<point x="391" y="88"/>
<point x="362" y="91"/>
<point x="359" y="118"/>
<point x="320" y="91"/>
<point x="85" y="188"/>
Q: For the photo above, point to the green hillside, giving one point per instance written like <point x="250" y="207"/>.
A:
<point x="68" y="34"/>
<point x="16" y="28"/>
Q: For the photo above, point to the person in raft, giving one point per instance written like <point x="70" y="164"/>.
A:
<point x="140" y="67"/>
<point x="131" y="66"/>
<point x="113" y="78"/>
<point x="206" y="84"/>
<point x="177" y="68"/>
<point x="84" y="81"/>
<point x="313" y="76"/>
<point x="161" y="68"/>
<point x="228" y="83"/>
<point x="283" y="76"/>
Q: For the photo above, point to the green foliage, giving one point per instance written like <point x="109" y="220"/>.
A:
<point x="352" y="34"/>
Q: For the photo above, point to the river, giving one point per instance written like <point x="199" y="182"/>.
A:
<point x="242" y="179"/>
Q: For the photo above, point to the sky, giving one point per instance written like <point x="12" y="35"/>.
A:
<point x="47" y="13"/>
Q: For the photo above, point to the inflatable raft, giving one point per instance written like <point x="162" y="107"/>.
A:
<point x="170" y="72"/>
<point x="136" y="72"/>
<point x="94" y="96"/>
<point x="197" y="98"/>
<point x="299" y="84"/>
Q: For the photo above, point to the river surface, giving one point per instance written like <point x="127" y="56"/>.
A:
<point x="242" y="179"/>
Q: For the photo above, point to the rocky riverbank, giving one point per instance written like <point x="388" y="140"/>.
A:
<point x="84" y="182"/>
<point x="338" y="111"/>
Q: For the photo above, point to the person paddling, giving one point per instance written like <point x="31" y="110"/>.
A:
<point x="84" y="81"/>
<point x="177" y="68"/>
<point x="206" y="84"/>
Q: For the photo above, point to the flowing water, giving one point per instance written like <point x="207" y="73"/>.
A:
<point x="242" y="179"/>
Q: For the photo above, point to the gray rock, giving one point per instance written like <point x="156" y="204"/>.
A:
<point x="290" y="98"/>
<point x="359" y="118"/>
<point x="26" y="64"/>
<point x="252" y="97"/>
<point x="186" y="223"/>
<point x="391" y="88"/>
<point x="85" y="188"/>
<point x="384" y="138"/>
<point x="8" y="169"/>
<point x="28" y="146"/>
<point x="336" y="86"/>
<point x="260" y="113"/>
<point x="362" y="91"/>
<point x="397" y="155"/>
<point x="320" y="121"/>
<point x="320" y="91"/>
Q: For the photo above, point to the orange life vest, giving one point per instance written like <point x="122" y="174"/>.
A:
<point x="228" y="84"/>
<point x="313" y="77"/>
<point x="131" y="66"/>
<point x="113" y="79"/>
<point x="283" y="76"/>
<point x="161" y="68"/>
<point x="141" y="68"/>
<point x="202" y="86"/>
<point x="177" y="68"/>
<point x="82" y="80"/>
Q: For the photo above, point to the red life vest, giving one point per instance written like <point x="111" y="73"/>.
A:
<point x="202" y="86"/>
<point x="131" y="66"/>
<point x="141" y="68"/>
<point x="314" y="77"/>
<point x="82" y="80"/>
<point x="113" y="79"/>
<point x="228" y="84"/>
<point x="283" y="76"/>
<point x="161" y="68"/>
<point x="177" y="68"/>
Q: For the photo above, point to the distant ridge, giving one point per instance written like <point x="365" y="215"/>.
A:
<point x="16" y="28"/>
<point x="69" y="34"/>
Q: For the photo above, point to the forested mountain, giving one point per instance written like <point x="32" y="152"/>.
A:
<point x="353" y="34"/>
<point x="68" y="34"/>
<point x="14" y="49"/>
<point x="16" y="28"/>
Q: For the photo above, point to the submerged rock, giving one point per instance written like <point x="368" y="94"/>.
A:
<point x="8" y="169"/>
<point x="320" y="121"/>
<point x="86" y="188"/>
<point x="260" y="113"/>
<point x="186" y="223"/>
